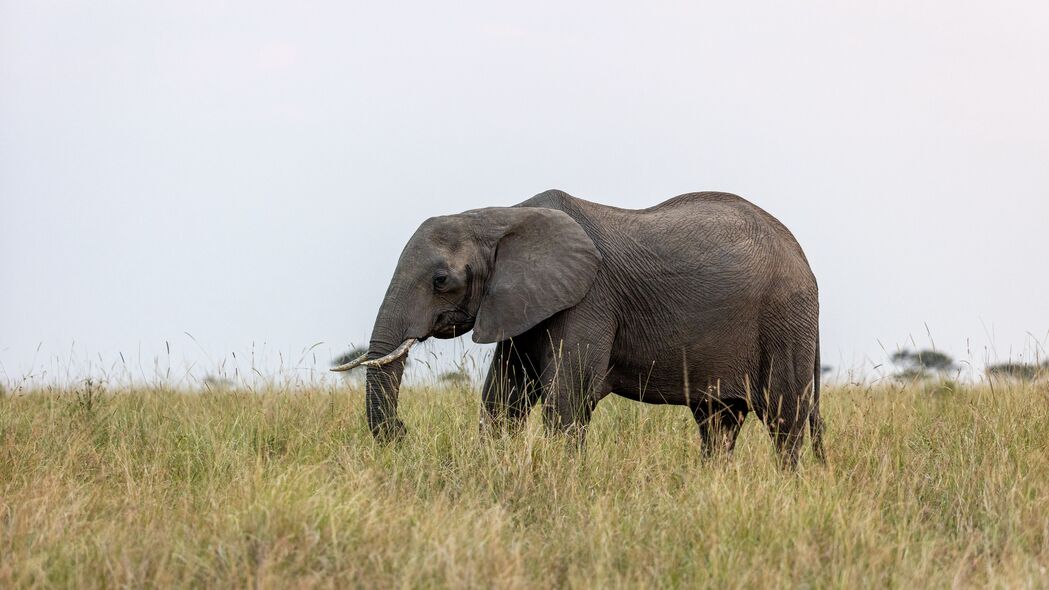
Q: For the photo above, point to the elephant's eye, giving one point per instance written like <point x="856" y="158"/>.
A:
<point x="440" y="282"/>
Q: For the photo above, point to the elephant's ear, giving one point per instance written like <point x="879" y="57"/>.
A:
<point x="543" y="263"/>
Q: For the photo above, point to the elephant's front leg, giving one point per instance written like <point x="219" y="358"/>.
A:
<point x="510" y="390"/>
<point x="574" y="381"/>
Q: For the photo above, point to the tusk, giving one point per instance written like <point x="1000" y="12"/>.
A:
<point x="396" y="354"/>
<point x="352" y="364"/>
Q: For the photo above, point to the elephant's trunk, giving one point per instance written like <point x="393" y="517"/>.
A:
<point x="381" y="393"/>
<point x="387" y="354"/>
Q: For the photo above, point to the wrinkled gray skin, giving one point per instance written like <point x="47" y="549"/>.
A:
<point x="704" y="300"/>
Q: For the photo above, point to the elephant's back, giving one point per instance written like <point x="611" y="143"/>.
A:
<point x="729" y="209"/>
<point x="693" y="233"/>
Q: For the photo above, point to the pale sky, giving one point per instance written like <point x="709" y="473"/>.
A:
<point x="248" y="172"/>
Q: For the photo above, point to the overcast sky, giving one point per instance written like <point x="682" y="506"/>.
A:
<point x="248" y="173"/>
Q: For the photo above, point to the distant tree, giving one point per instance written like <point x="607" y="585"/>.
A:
<point x="216" y="383"/>
<point x="457" y="376"/>
<point x="824" y="369"/>
<point x="921" y="364"/>
<point x="1019" y="371"/>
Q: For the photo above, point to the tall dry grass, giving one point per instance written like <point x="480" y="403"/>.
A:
<point x="924" y="488"/>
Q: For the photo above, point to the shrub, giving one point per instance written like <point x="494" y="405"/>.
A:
<point x="1019" y="371"/>
<point x="457" y="376"/>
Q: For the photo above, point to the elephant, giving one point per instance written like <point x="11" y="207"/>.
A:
<point x="704" y="300"/>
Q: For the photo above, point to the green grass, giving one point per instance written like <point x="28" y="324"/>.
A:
<point x="924" y="488"/>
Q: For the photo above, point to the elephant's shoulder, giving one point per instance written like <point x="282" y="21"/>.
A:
<point x="551" y="199"/>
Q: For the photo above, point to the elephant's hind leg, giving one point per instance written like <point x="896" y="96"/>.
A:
<point x="784" y="408"/>
<point x="719" y="423"/>
<point x="816" y="427"/>
<point x="786" y="374"/>
<point x="787" y="437"/>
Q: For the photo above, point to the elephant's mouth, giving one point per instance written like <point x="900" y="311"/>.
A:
<point x="453" y="323"/>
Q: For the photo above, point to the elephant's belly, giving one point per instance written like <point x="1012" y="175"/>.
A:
<point x="651" y="388"/>
<point x="653" y="397"/>
<point x="669" y="383"/>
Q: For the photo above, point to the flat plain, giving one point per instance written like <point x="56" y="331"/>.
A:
<point x="926" y="486"/>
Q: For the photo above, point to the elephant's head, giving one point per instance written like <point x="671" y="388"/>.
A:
<point x="497" y="271"/>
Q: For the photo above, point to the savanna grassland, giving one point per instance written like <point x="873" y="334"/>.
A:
<point x="925" y="487"/>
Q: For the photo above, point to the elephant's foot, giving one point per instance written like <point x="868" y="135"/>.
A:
<point x="389" y="431"/>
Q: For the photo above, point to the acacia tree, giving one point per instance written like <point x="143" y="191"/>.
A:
<point x="922" y="364"/>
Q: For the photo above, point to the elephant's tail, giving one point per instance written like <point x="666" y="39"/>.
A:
<point x="815" y="419"/>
